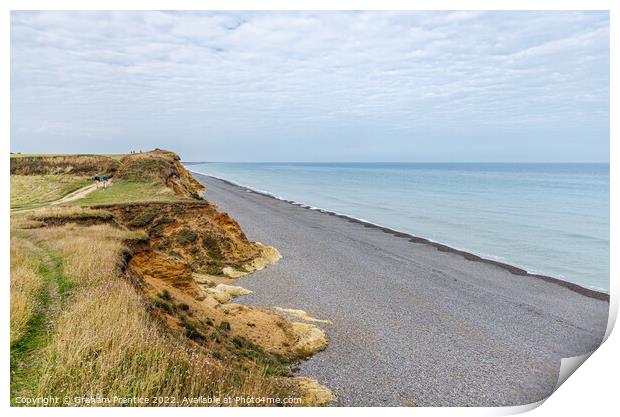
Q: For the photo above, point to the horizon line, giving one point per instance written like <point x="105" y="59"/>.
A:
<point x="397" y="162"/>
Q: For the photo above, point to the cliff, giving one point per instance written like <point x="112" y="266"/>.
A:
<point x="161" y="167"/>
<point x="178" y="259"/>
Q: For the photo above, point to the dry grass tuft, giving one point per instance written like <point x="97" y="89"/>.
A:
<point x="24" y="285"/>
<point x="68" y="211"/>
<point x="90" y="254"/>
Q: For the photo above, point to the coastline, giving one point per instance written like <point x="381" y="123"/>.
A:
<point x="588" y="292"/>
<point x="163" y="267"/>
<point x="409" y="322"/>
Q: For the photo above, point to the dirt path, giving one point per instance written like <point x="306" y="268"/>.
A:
<point x="76" y="195"/>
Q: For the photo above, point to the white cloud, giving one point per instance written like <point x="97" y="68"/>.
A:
<point x="213" y="75"/>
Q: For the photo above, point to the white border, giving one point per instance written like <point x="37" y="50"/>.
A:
<point x="591" y="390"/>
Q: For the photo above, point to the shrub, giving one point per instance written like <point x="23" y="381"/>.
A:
<point x="164" y="305"/>
<point x="143" y="218"/>
<point x="191" y="331"/>
<point x="211" y="245"/>
<point x="186" y="236"/>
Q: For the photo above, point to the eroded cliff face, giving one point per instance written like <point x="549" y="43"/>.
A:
<point x="160" y="166"/>
<point x="209" y="241"/>
<point x="194" y="254"/>
<point x="227" y="328"/>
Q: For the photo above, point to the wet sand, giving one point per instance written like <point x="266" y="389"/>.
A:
<point x="413" y="321"/>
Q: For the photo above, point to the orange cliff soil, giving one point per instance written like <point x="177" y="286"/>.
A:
<point x="189" y="248"/>
<point x="168" y="284"/>
<point x="189" y="237"/>
<point x="211" y="242"/>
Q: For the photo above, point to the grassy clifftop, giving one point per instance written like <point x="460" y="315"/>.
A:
<point x="150" y="176"/>
<point x="30" y="191"/>
<point x="124" y="291"/>
<point x="160" y="167"/>
<point x="83" y="165"/>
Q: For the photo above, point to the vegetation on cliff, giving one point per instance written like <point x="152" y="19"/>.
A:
<point x="30" y="191"/>
<point x="160" y="167"/>
<point x="74" y="165"/>
<point x="113" y="293"/>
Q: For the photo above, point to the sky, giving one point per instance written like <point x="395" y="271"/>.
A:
<point x="314" y="86"/>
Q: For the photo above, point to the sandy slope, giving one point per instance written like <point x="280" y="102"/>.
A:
<point x="411" y="324"/>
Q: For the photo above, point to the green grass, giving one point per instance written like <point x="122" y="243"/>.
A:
<point x="31" y="191"/>
<point x="126" y="192"/>
<point x="55" y="288"/>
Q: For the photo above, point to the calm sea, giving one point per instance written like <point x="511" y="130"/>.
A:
<point x="551" y="219"/>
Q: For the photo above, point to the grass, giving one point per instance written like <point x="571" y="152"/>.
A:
<point x="30" y="330"/>
<point x="126" y="192"/>
<point x="90" y="254"/>
<point x="31" y="191"/>
<point x="69" y="165"/>
<point x="117" y="156"/>
<point x="91" y="332"/>
<point x="116" y="349"/>
<point x="145" y="217"/>
<point x="79" y="328"/>
<point x="29" y="155"/>
<point x="25" y="285"/>
<point x="64" y="214"/>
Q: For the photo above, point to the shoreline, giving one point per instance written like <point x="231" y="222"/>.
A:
<point x="588" y="292"/>
<point x="415" y="322"/>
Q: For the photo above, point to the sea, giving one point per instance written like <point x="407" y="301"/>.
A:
<point x="547" y="218"/>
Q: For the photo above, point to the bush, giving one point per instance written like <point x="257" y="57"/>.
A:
<point x="143" y="218"/>
<point x="191" y="331"/>
<point x="186" y="236"/>
<point x="164" y="305"/>
<point x="211" y="245"/>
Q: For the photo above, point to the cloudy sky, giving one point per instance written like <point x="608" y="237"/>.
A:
<point x="323" y="86"/>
